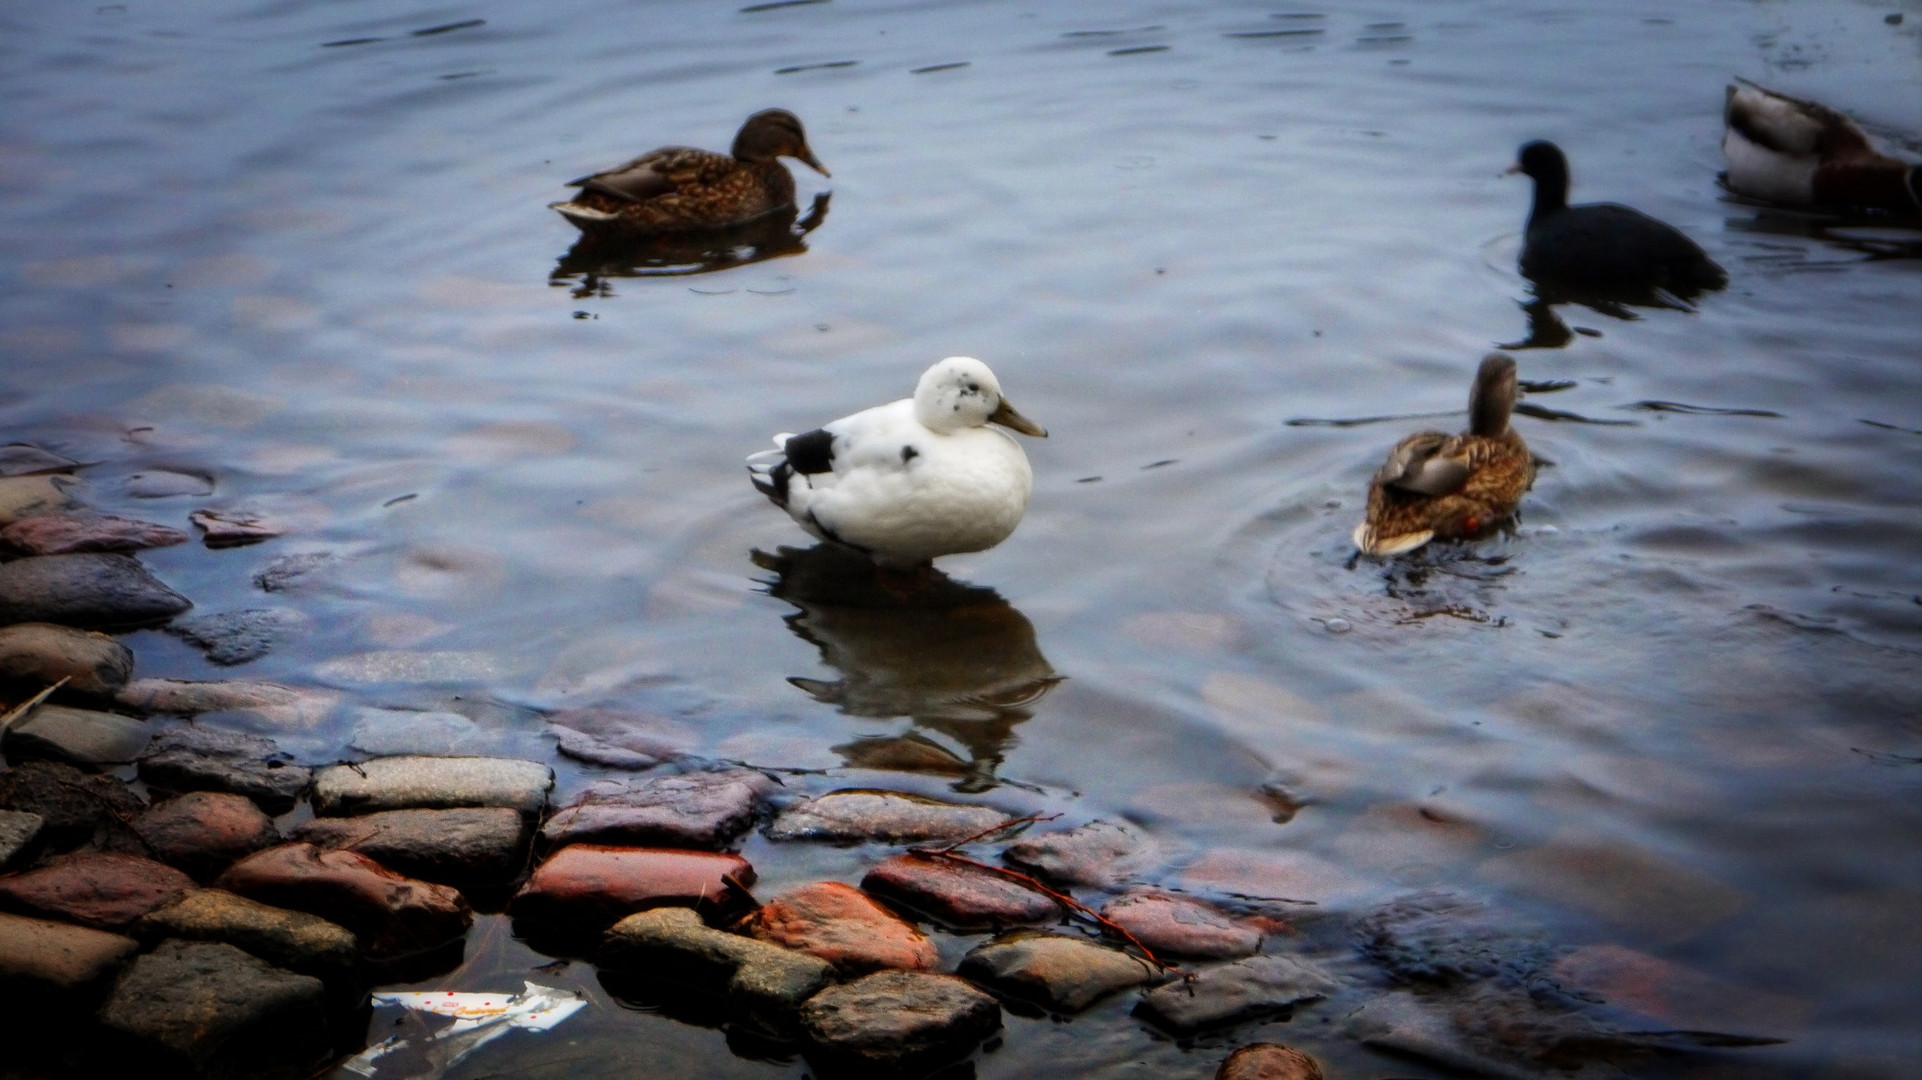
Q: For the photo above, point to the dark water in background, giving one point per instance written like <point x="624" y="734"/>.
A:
<point x="1677" y="712"/>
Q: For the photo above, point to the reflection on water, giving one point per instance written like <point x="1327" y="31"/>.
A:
<point x="598" y="256"/>
<point x="956" y="659"/>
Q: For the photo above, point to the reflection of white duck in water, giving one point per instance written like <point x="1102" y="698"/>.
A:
<point x="911" y="480"/>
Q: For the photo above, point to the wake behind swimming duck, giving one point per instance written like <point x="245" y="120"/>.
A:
<point x="1786" y="150"/>
<point x="679" y="188"/>
<point x="1452" y="487"/>
<point x="912" y="480"/>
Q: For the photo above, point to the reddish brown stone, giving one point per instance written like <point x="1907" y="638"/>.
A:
<point x="104" y="890"/>
<point x="82" y="531"/>
<point x="41" y="654"/>
<point x="1100" y="853"/>
<point x="390" y="914"/>
<point x="205" y="832"/>
<point x="39" y="957"/>
<point x="1176" y="925"/>
<point x="842" y="925"/>
<point x="1268" y="1061"/>
<point x="589" y="884"/>
<point x="956" y="894"/>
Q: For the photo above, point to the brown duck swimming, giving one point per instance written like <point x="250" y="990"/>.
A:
<point x="1452" y="487"/>
<point x="679" y="188"/>
<point x="1802" y="153"/>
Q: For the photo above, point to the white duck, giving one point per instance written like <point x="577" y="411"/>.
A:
<point x="1801" y="153"/>
<point x="911" y="480"/>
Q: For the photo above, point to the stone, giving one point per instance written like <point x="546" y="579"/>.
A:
<point x="1268" y="1061"/>
<point x="287" y="706"/>
<point x="229" y="638"/>
<point x="384" y="732"/>
<point x="40" y="958"/>
<point x="1251" y="989"/>
<point x="465" y="847"/>
<point x="292" y="571"/>
<point x="435" y="783"/>
<point x="768" y="981"/>
<point x="855" y="816"/>
<point x="1060" y="971"/>
<point x="700" y="810"/>
<point x="24" y="496"/>
<point x="196" y="758"/>
<point x="1660" y="899"/>
<point x="74" y="532"/>
<point x="72" y="805"/>
<point x="594" y="885"/>
<point x="1441" y="940"/>
<point x="293" y="940"/>
<point x="1100" y="853"/>
<point x="89" y="590"/>
<point x="392" y="915"/>
<point x="104" y="890"/>
<point x="205" y="832"/>
<point x="35" y="655"/>
<point x="234" y="528"/>
<point x="212" y="1010"/>
<point x="1170" y="924"/>
<point x="957" y="895"/>
<point x="168" y="483"/>
<point x="619" y="740"/>
<point x="81" y="736"/>
<point x="898" y="1022"/>
<point x="18" y="831"/>
<point x="844" y="926"/>
<point x="1679" y="997"/>
<point x="25" y="459"/>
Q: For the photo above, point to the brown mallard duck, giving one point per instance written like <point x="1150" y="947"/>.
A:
<point x="1452" y="487"/>
<point x="679" y="188"/>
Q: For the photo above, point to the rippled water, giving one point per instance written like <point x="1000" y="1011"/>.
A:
<point x="304" y="247"/>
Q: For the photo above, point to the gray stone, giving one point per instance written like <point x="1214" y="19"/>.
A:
<point x="391" y="915"/>
<point x="72" y="804"/>
<point x="1059" y="971"/>
<point x="82" y="736"/>
<point x="1100" y="853"/>
<point x="768" y="981"/>
<point x="38" y="957"/>
<point x="25" y="496"/>
<point x="462" y="847"/>
<point x="286" y="706"/>
<point x="37" y="655"/>
<point x="195" y="758"/>
<point x="431" y="783"/>
<point x="1258" y="987"/>
<point x="292" y="571"/>
<point x="704" y="810"/>
<point x="75" y="531"/>
<point x="218" y="1012"/>
<point x="619" y="740"/>
<point x="855" y="816"/>
<point x="91" y="590"/>
<point x="403" y="731"/>
<point x="290" y="939"/>
<point x="168" y="483"/>
<point x="898" y="1021"/>
<point x="18" y="830"/>
<point x="228" y="638"/>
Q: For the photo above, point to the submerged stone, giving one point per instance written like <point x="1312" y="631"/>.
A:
<point x="168" y="483"/>
<point x="844" y="926"/>
<point x="229" y="638"/>
<point x="898" y="1022"/>
<point x="25" y="459"/>
<point x="469" y="846"/>
<point x="39" y="958"/>
<point x="196" y="758"/>
<point x="854" y="816"/>
<point x="674" y="943"/>
<point x="234" y="528"/>
<point x="78" y="531"/>
<point x="1062" y="972"/>
<point x="1175" y="925"/>
<point x="216" y="1011"/>
<point x="412" y="782"/>
<point x="26" y="496"/>
<point x="81" y="736"/>
<point x="701" y="810"/>
<point x="392" y="915"/>
<point x="104" y="890"/>
<point x="592" y="885"/>
<point x="958" y="895"/>
<point x="1268" y="1061"/>
<point x="71" y="804"/>
<point x="1251" y="989"/>
<point x="205" y="832"/>
<point x="619" y="740"/>
<point x="285" y="705"/>
<point x="290" y="939"/>
<point x="18" y="831"/>
<point x="1100" y="853"/>
<point x="94" y="590"/>
<point x="37" y="655"/>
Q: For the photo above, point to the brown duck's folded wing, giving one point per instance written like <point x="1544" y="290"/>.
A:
<point x="661" y="172"/>
<point x="1424" y="465"/>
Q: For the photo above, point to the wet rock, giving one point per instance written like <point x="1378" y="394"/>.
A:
<point x="593" y="885"/>
<point x="1436" y="939"/>
<point x="94" y="590"/>
<point x="234" y="528"/>
<point x="104" y="890"/>
<point x="1175" y="925"/>
<point x="73" y="532"/>
<point x="701" y="810"/>
<point x="204" y="832"/>
<point x="194" y="758"/>
<point x="228" y="638"/>
<point x="390" y="914"/>
<point x="766" y="980"/>
<point x="433" y="783"/>
<point x="81" y="736"/>
<point x="37" y="655"/>
<point x="23" y="459"/>
<point x="897" y="1022"/>
<point x="384" y="732"/>
<point x="212" y="1010"/>
<point x="1401" y="1024"/>
<point x="290" y="939"/>
<point x="956" y="894"/>
<point x="292" y="571"/>
<point x="72" y="805"/>
<point x="847" y="817"/>
<point x="1100" y="853"/>
<point x="844" y="926"/>
<point x="1269" y="1061"/>
<point x="168" y="483"/>
<point x="18" y="830"/>
<point x="287" y="706"/>
<point x="473" y="846"/>
<point x="25" y="496"/>
<point x="619" y="740"/>
<point x="1250" y="989"/>
<point x="40" y="959"/>
<point x="1675" y="996"/>
<point x="1059" y="971"/>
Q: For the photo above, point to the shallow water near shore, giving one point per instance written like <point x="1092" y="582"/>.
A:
<point x="303" y="248"/>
